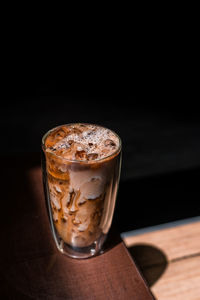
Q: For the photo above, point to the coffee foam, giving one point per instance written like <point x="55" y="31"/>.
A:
<point x="83" y="142"/>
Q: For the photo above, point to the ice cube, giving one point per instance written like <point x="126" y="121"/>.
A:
<point x="76" y="221"/>
<point x="60" y="133"/>
<point x="63" y="168"/>
<point x="58" y="189"/>
<point x="80" y="155"/>
<point x="109" y="142"/>
<point x="92" y="156"/>
<point x="70" y="142"/>
<point x="55" y="201"/>
<point x="93" y="188"/>
<point x="76" y="130"/>
<point x="82" y="215"/>
<point x="81" y="201"/>
<point x="64" y="218"/>
<point x="84" y="226"/>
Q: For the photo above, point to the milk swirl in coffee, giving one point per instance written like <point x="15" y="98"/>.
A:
<point x="81" y="168"/>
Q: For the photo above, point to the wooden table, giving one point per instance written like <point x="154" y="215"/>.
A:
<point x="169" y="258"/>
<point x="32" y="268"/>
<point x="31" y="265"/>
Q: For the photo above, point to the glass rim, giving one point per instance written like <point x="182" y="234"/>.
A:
<point x="115" y="153"/>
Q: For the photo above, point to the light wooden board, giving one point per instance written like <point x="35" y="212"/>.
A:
<point x="180" y="277"/>
<point x="180" y="281"/>
<point x="177" y="242"/>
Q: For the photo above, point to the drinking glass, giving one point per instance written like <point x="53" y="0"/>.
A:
<point x="80" y="199"/>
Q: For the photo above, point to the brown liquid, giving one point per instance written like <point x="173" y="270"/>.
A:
<point x="81" y="160"/>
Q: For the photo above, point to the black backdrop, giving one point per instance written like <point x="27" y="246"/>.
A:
<point x="161" y="145"/>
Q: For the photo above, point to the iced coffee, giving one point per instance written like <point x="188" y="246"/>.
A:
<point x="81" y="167"/>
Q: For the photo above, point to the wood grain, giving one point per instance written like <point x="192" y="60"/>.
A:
<point x="176" y="242"/>
<point x="33" y="268"/>
<point x="181" y="281"/>
<point x="177" y="264"/>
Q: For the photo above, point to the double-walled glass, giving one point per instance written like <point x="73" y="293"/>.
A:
<point x="80" y="198"/>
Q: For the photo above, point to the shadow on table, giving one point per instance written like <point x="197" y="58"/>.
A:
<point x="151" y="261"/>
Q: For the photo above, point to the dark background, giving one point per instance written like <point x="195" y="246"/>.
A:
<point x="159" y="128"/>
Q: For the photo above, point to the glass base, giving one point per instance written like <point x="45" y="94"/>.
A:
<point x="82" y="252"/>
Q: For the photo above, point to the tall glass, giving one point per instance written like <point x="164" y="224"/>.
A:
<point x="80" y="197"/>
